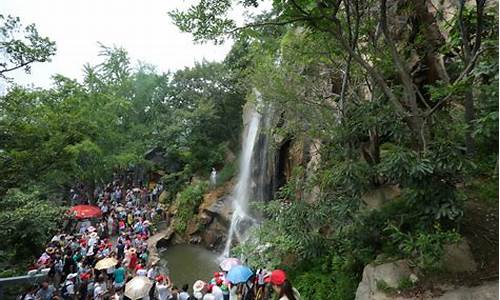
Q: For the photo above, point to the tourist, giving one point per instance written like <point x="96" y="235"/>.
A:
<point x="175" y="293"/>
<point x="46" y="292"/>
<point x="68" y="291"/>
<point x="30" y="294"/>
<point x="217" y="291"/>
<point x="119" y="276"/>
<point x="152" y="271"/>
<point x="213" y="177"/>
<point x="140" y="271"/>
<point x="100" y="288"/>
<point x="282" y="286"/>
<point x="184" y="295"/>
<point x="162" y="288"/>
<point x="208" y="296"/>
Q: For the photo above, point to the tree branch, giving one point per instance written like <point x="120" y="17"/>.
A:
<point x="464" y="73"/>
<point x="22" y="65"/>
<point x="401" y="67"/>
<point x="269" y="23"/>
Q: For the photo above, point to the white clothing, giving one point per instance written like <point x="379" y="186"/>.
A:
<point x="98" y="292"/>
<point x="209" y="296"/>
<point x="70" y="288"/>
<point x="110" y="270"/>
<point x="163" y="291"/>
<point x="151" y="273"/>
<point x="217" y="292"/>
<point x="141" y="272"/>
<point x="183" y="296"/>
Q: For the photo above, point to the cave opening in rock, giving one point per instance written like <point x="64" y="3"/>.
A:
<point x="283" y="168"/>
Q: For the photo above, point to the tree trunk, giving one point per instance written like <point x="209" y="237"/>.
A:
<point x="469" y="121"/>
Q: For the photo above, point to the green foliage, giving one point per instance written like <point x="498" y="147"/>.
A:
<point x="187" y="203"/>
<point x="483" y="189"/>
<point x="228" y="172"/>
<point x="28" y="221"/>
<point x="21" y="47"/>
<point x="425" y="249"/>
<point x="314" y="285"/>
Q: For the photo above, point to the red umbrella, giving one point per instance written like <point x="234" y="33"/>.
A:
<point x="85" y="211"/>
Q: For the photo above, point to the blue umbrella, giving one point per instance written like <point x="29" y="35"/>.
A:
<point x="239" y="274"/>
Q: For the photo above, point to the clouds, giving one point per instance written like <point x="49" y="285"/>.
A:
<point x="143" y="28"/>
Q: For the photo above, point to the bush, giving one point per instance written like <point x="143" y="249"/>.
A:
<point x="187" y="203"/>
<point x="318" y="279"/>
<point x="485" y="190"/>
<point x="226" y="173"/>
<point x="28" y="222"/>
<point x="424" y="249"/>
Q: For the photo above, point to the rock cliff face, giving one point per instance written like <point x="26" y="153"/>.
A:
<point x="274" y="159"/>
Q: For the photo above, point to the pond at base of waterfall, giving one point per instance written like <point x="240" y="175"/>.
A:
<point x="188" y="263"/>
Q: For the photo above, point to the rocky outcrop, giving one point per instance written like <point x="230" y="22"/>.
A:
<point x="389" y="275"/>
<point x="209" y="227"/>
<point x="153" y="241"/>
<point x="381" y="282"/>
<point x="486" y="291"/>
<point x="376" y="198"/>
<point x="458" y="258"/>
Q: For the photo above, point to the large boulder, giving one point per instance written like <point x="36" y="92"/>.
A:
<point x="221" y="209"/>
<point x="376" y="198"/>
<point x="389" y="274"/>
<point x="458" y="258"/>
<point x="486" y="291"/>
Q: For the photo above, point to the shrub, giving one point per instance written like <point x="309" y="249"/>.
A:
<point x="187" y="203"/>
<point x="424" y="249"/>
<point x="226" y="173"/>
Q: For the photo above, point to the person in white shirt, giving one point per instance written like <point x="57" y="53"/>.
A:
<point x="69" y="286"/>
<point x="162" y="289"/>
<point x="184" y="295"/>
<point x="217" y="292"/>
<point x="100" y="288"/>
<point x="152" y="271"/>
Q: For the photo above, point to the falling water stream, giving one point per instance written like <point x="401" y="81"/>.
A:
<point x="241" y="220"/>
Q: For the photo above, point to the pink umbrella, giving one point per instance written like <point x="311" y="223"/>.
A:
<point x="228" y="263"/>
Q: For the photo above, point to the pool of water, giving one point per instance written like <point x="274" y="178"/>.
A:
<point x="188" y="263"/>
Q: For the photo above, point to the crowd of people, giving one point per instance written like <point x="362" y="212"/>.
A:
<point x="96" y="259"/>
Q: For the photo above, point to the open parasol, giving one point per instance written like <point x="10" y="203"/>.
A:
<point x="138" y="287"/>
<point x="85" y="211"/>
<point x="228" y="263"/>
<point x="106" y="263"/>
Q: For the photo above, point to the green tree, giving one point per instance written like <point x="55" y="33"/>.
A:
<point x="21" y="47"/>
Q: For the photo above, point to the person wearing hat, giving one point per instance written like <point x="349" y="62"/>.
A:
<point x="68" y="290"/>
<point x="162" y="289"/>
<point x="282" y="286"/>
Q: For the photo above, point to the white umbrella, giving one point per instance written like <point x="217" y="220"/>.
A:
<point x="228" y="263"/>
<point x="138" y="287"/>
<point x="106" y="263"/>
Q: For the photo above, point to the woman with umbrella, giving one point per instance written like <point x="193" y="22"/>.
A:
<point x="241" y="286"/>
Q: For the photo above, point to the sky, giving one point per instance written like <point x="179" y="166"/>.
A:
<point x="143" y="28"/>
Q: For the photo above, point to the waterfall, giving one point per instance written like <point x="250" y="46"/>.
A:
<point x="247" y="187"/>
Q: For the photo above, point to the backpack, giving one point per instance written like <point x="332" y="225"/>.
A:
<point x="64" y="290"/>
